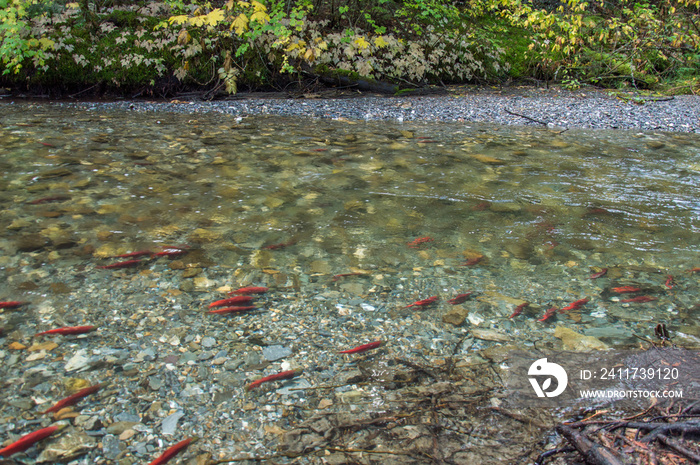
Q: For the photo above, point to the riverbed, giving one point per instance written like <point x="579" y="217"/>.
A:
<point x="426" y="236"/>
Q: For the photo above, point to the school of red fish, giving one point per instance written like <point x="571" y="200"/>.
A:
<point x="241" y="301"/>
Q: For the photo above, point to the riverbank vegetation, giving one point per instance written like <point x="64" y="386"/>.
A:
<point x="218" y="48"/>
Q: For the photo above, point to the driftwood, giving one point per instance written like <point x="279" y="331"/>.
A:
<point x="543" y="123"/>
<point x="656" y="435"/>
<point x="595" y="454"/>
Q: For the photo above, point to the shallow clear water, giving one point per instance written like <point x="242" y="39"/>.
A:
<point x="348" y="223"/>
<point x="543" y="208"/>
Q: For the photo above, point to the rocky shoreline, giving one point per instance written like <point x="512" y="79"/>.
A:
<point x="528" y="106"/>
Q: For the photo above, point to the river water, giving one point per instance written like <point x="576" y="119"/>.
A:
<point x="347" y="223"/>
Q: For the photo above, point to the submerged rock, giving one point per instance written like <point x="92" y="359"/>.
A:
<point x="31" y="242"/>
<point x="572" y="340"/>
<point x="456" y="316"/>
<point x="69" y="445"/>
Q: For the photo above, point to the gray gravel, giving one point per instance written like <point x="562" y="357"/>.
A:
<point x="552" y="107"/>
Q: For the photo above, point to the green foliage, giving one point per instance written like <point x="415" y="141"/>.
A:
<point x="436" y="41"/>
<point x="78" y="54"/>
<point x="628" y="41"/>
<point x="228" y="43"/>
<point x="16" y="43"/>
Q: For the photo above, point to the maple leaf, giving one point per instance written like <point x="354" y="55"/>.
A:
<point x="257" y="6"/>
<point x="320" y="44"/>
<point x="260" y="17"/>
<point x="281" y="42"/>
<point x="184" y="37"/>
<point x="309" y="55"/>
<point x="46" y="43"/>
<point x="240" y="24"/>
<point x="180" y="19"/>
<point x="197" y="21"/>
<point x="215" y="16"/>
<point x="380" y="42"/>
<point x="361" y="43"/>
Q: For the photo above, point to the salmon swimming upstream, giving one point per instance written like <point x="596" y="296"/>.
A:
<point x="136" y="254"/>
<point x="226" y="310"/>
<point x="12" y="304"/>
<point x="345" y="275"/>
<point x="289" y="374"/>
<point x="459" y="298"/>
<point x="599" y="274"/>
<point x="473" y="261"/>
<point x="548" y="314"/>
<point x="69" y="330"/>
<point x="172" y="451"/>
<point x="27" y="441"/>
<point x="424" y="302"/>
<point x="421" y="240"/>
<point x="250" y="290"/>
<point x="73" y="399"/>
<point x="240" y="299"/>
<point x="362" y="348"/>
<point x="519" y="309"/>
<point x="669" y="282"/>
<point x="118" y="265"/>
<point x="626" y="289"/>
<point x="575" y="305"/>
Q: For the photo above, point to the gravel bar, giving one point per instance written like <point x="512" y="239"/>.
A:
<point x="554" y="108"/>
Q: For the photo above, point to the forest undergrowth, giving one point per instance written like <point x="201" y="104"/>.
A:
<point x="160" y="49"/>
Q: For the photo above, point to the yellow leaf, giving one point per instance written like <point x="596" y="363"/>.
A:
<point x="184" y="37"/>
<point x="73" y="5"/>
<point x="309" y="55"/>
<point x="198" y="21"/>
<point x="361" y="43"/>
<point x="215" y="17"/>
<point x="260" y="17"/>
<point x="281" y="41"/>
<point x="46" y="43"/>
<point x="180" y="19"/>
<point x="380" y="42"/>
<point x="240" y="24"/>
<point x="243" y="4"/>
<point x="259" y="6"/>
